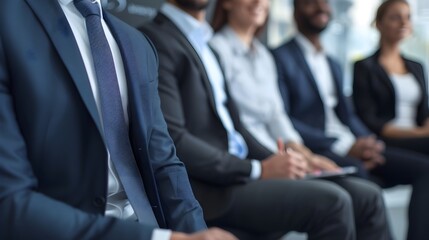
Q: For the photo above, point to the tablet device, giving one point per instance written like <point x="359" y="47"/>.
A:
<point x="331" y="174"/>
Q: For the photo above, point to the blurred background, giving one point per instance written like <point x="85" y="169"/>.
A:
<point x="350" y="36"/>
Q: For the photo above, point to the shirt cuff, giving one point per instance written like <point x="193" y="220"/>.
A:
<point x="256" y="171"/>
<point x="343" y="145"/>
<point x="161" y="234"/>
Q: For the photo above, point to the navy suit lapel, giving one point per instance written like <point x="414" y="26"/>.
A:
<point x="337" y="76"/>
<point x="299" y="56"/>
<point x="139" y="109"/>
<point x="138" y="88"/>
<point x="341" y="108"/>
<point x="57" y="27"/>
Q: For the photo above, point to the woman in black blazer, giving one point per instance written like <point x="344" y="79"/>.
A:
<point x="389" y="90"/>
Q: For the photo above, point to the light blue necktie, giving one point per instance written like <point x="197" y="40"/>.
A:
<point x="115" y="129"/>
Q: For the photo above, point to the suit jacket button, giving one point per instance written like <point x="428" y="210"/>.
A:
<point x="99" y="201"/>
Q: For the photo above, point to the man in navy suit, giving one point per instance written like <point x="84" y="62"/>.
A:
<point x="56" y="176"/>
<point x="311" y="86"/>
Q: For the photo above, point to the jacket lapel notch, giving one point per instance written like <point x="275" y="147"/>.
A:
<point x="64" y="42"/>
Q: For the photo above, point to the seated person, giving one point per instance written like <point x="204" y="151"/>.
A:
<point x="389" y="90"/>
<point x="239" y="183"/>
<point x="80" y="156"/>
<point x="252" y="79"/>
<point x="311" y="87"/>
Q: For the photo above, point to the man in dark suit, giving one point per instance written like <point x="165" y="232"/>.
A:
<point x="57" y="180"/>
<point x="239" y="183"/>
<point x="311" y="87"/>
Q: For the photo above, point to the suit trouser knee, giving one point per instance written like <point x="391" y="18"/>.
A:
<point x="322" y="209"/>
<point x="369" y="209"/>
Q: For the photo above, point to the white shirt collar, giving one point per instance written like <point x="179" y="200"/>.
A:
<point x="238" y="46"/>
<point x="67" y="2"/>
<point x="199" y="32"/>
<point x="307" y="46"/>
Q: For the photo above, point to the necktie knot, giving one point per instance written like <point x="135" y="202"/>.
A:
<point x="87" y="7"/>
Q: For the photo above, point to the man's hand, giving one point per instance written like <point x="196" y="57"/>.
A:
<point x="360" y="149"/>
<point x="315" y="162"/>
<point x="285" y="164"/>
<point x="318" y="162"/>
<point x="210" y="234"/>
<point x="369" y="150"/>
<point x="299" y="148"/>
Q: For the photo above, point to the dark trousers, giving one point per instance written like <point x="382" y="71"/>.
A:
<point x="401" y="167"/>
<point x="343" y="210"/>
<point x="420" y="145"/>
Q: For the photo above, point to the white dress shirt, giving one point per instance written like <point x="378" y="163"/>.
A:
<point x="321" y="71"/>
<point x="408" y="96"/>
<point x="117" y="203"/>
<point x="199" y="33"/>
<point x="252" y="78"/>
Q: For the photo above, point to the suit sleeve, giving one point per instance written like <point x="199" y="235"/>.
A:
<point x="345" y="109"/>
<point x="203" y="161"/>
<point x="355" y="123"/>
<point x="423" y="108"/>
<point x="363" y="98"/>
<point x="182" y="211"/>
<point x="313" y="137"/>
<point x="25" y="212"/>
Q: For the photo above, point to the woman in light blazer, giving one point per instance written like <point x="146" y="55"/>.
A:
<point x="389" y="90"/>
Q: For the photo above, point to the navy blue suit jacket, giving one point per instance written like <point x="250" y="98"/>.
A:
<point x="53" y="162"/>
<point x="303" y="102"/>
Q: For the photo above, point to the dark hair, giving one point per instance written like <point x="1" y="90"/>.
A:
<point x="220" y="18"/>
<point x="382" y="9"/>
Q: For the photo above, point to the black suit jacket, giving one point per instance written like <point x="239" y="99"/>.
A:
<point x="302" y="99"/>
<point x="53" y="161"/>
<point x="188" y="105"/>
<point x="374" y="95"/>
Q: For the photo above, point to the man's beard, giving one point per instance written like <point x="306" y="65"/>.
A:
<point x="314" y="28"/>
<point x="192" y="4"/>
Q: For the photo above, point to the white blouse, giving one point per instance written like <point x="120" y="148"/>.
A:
<point x="408" y="95"/>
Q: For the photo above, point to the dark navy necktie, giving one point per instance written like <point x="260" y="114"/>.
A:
<point x="112" y="113"/>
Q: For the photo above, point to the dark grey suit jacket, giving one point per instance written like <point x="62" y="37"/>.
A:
<point x="189" y="108"/>
<point x="53" y="161"/>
